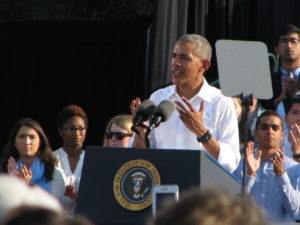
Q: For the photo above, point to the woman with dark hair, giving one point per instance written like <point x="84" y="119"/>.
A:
<point x="72" y="123"/>
<point x="28" y="154"/>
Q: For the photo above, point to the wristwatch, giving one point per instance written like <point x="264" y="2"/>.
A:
<point x="296" y="156"/>
<point x="205" y="137"/>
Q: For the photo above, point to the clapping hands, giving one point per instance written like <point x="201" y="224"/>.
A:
<point x="294" y="138"/>
<point x="23" y="172"/>
<point x="277" y="161"/>
<point x="253" y="162"/>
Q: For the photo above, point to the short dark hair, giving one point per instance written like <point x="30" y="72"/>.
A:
<point x="287" y="29"/>
<point x="268" y="113"/>
<point x="70" y="111"/>
<point x="289" y="102"/>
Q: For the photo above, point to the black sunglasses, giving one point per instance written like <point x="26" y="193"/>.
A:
<point x="118" y="135"/>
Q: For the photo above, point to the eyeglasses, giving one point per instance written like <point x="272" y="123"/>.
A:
<point x="118" y="135"/>
<point x="285" y="41"/>
<point x="75" y="129"/>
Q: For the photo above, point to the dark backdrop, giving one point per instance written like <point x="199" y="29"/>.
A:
<point x="44" y="66"/>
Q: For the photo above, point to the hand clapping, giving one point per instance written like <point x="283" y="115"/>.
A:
<point x="253" y="162"/>
<point x="277" y="161"/>
<point x="23" y="172"/>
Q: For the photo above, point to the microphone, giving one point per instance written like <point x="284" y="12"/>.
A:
<point x="143" y="113"/>
<point x="162" y="113"/>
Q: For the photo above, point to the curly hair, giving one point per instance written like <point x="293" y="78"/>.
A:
<point x="68" y="112"/>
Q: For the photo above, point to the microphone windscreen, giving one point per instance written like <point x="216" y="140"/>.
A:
<point x="165" y="109"/>
<point x="145" y="110"/>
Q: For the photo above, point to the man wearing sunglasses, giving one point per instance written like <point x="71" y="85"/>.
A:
<point x="284" y="82"/>
<point x="204" y="119"/>
<point x="270" y="177"/>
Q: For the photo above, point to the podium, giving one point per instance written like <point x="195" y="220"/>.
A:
<point x="186" y="168"/>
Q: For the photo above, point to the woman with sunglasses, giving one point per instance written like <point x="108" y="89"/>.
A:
<point x="118" y="131"/>
<point x="72" y="123"/>
<point x="28" y="154"/>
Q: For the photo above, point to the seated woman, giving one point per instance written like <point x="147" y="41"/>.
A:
<point x="28" y="155"/>
<point x="118" y="131"/>
<point x="72" y="124"/>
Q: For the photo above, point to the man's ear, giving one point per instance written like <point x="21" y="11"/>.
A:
<point x="206" y="64"/>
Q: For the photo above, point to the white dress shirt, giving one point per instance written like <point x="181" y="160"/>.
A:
<point x="219" y="117"/>
<point x="63" y="176"/>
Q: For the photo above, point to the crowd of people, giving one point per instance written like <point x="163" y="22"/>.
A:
<point x="207" y="120"/>
<point x="204" y="120"/>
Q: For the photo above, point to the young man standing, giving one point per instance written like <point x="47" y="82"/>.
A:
<point x="267" y="180"/>
<point x="284" y="82"/>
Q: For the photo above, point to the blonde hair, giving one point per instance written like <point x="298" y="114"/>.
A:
<point x="124" y="121"/>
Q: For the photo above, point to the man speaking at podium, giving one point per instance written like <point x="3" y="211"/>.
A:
<point x="204" y="118"/>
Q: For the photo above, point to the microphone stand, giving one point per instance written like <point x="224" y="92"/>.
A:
<point x="147" y="142"/>
<point x="146" y="138"/>
<point x="246" y="102"/>
<point x="152" y="124"/>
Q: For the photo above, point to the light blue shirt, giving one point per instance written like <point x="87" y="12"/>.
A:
<point x="279" y="196"/>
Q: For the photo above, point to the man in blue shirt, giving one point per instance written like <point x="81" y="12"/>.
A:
<point x="267" y="180"/>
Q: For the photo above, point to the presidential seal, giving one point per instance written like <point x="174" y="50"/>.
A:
<point x="133" y="184"/>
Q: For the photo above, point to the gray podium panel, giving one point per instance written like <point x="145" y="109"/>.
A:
<point x="186" y="168"/>
<point x="213" y="175"/>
